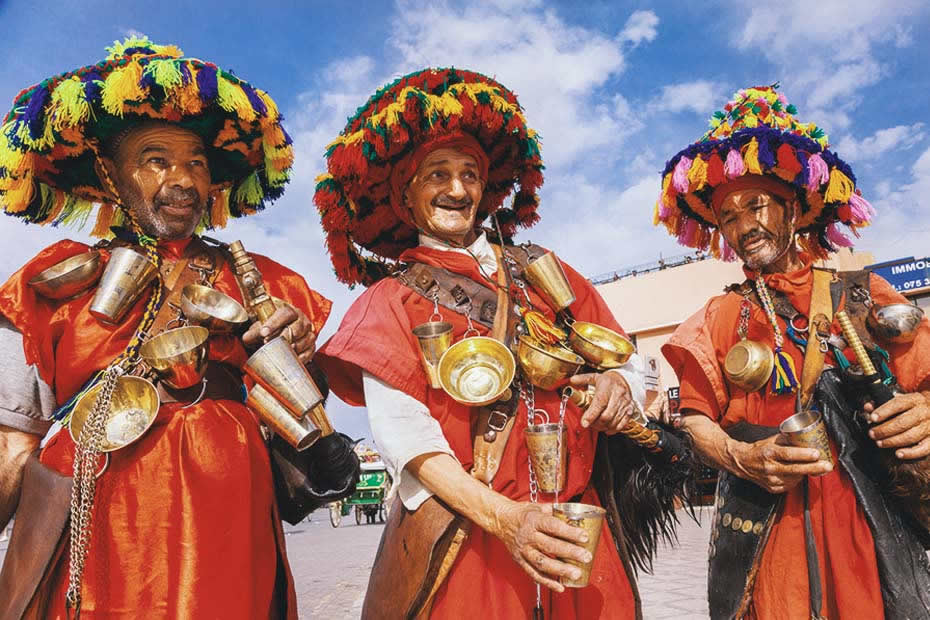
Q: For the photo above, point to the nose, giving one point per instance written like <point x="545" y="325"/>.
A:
<point x="179" y="176"/>
<point x="457" y="188"/>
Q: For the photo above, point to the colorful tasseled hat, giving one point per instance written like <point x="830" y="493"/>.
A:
<point x="366" y="229"/>
<point x="757" y="134"/>
<point x="48" y="141"/>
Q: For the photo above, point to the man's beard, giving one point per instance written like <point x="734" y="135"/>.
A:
<point x="147" y="214"/>
<point x="775" y="248"/>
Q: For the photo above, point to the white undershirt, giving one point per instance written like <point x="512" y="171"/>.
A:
<point x="402" y="426"/>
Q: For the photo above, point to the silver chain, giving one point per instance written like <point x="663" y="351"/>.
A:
<point x="558" y="457"/>
<point x="84" y="484"/>
<point x="529" y="398"/>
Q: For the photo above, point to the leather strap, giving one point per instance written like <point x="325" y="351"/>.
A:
<point x="821" y="318"/>
<point x="200" y="264"/>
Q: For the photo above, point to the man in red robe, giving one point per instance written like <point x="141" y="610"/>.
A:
<point x="765" y="186"/>
<point x="185" y="521"/>
<point x="427" y="186"/>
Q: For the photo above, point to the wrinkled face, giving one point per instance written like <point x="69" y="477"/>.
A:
<point x="162" y="176"/>
<point x="444" y="194"/>
<point x="758" y="226"/>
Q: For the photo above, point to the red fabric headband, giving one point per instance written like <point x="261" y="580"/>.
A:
<point x="751" y="181"/>
<point x="407" y="167"/>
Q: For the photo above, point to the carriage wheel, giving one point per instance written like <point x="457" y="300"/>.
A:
<point x="335" y="513"/>
<point x="358" y="515"/>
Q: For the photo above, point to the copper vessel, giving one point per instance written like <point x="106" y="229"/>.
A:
<point x="546" y="366"/>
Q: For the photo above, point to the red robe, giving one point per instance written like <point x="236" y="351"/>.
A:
<point x="846" y="550"/>
<point x="375" y="336"/>
<point x="185" y="523"/>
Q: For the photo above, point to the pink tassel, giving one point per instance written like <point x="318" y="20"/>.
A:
<point x="680" y="176"/>
<point x="663" y="208"/>
<point x="686" y="231"/>
<point x="861" y="210"/>
<point x="837" y="238"/>
<point x="817" y="172"/>
<point x="734" y="166"/>
<point x="726" y="252"/>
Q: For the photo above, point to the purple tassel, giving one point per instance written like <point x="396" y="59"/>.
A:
<point x="734" y="166"/>
<point x="801" y="179"/>
<point x="817" y="172"/>
<point x="680" y="176"/>
<point x="766" y="157"/>
<point x="33" y="114"/>
<point x="257" y="104"/>
<point x="837" y="238"/>
<point x="206" y="83"/>
<point x="861" y="210"/>
<point x="185" y="73"/>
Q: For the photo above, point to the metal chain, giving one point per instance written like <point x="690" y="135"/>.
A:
<point x="769" y="308"/>
<point x="558" y="458"/>
<point x="84" y="484"/>
<point x="742" y="328"/>
<point x="529" y="399"/>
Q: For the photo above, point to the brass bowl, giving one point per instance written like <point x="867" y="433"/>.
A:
<point x="132" y="410"/>
<point x="210" y="308"/>
<point x="70" y="277"/>
<point x="748" y="364"/>
<point x="178" y="356"/>
<point x="476" y="371"/>
<point x="895" y="323"/>
<point x="546" y="366"/>
<point x="601" y="347"/>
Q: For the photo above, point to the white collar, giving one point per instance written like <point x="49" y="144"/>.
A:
<point x="480" y="249"/>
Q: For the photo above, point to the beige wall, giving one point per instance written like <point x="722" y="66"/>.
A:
<point x="651" y="305"/>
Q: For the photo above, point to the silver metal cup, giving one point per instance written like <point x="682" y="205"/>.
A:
<point x="299" y="433"/>
<point x="548" y="455"/>
<point x="125" y="277"/>
<point x="806" y="429"/>
<point x="434" y="338"/>
<point x="591" y="520"/>
<point x="178" y="356"/>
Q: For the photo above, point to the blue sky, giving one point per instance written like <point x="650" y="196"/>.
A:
<point x="614" y="88"/>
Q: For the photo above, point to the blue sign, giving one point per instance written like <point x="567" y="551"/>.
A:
<point x="906" y="275"/>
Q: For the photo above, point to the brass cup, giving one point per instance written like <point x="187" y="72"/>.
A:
<point x="178" y="356"/>
<point x="591" y="520"/>
<point x="546" y="366"/>
<point x="548" y="278"/>
<point x="434" y="338"/>
<point x="748" y="364"/>
<point x="895" y="323"/>
<point x="70" y="277"/>
<point x="299" y="433"/>
<point x="548" y="460"/>
<point x="277" y="368"/>
<point x="601" y="347"/>
<point x="132" y="410"/>
<point x="476" y="371"/>
<point x="806" y="429"/>
<point x="124" y="278"/>
<point x="209" y="308"/>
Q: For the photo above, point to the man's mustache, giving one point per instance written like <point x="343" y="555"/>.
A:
<point x="452" y="203"/>
<point x="178" y="196"/>
<point x="753" y="235"/>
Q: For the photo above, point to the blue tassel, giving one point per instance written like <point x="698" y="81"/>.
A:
<point x="784" y="376"/>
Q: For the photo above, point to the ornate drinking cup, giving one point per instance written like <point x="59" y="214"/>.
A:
<point x="806" y="429"/>
<point x="591" y="520"/>
<point x="124" y="279"/>
<point x="546" y="366"/>
<point x="895" y="323"/>
<point x="548" y="278"/>
<point x="600" y="347"/>
<point x="548" y="455"/>
<point x="434" y="338"/>
<point x="70" y="277"/>
<point x="133" y="408"/>
<point x="210" y="308"/>
<point x="178" y="356"/>
<point x="476" y="371"/>
<point x="748" y="364"/>
<point x="300" y="433"/>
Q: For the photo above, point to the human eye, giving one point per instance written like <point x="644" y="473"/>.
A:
<point x="156" y="160"/>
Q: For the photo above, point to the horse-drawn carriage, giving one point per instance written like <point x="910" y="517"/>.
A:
<point x="372" y="490"/>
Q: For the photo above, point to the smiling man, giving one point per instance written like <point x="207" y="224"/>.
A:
<point x="416" y="171"/>
<point x="183" y="522"/>
<point x="794" y="536"/>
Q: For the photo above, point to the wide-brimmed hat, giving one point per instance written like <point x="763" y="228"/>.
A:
<point x="366" y="226"/>
<point x="49" y="141"/>
<point x="757" y="134"/>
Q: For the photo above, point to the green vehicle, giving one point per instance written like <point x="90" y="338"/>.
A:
<point x="372" y="489"/>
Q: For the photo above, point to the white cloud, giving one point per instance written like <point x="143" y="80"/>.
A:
<point x="641" y="26"/>
<point x="899" y="137"/>
<point x="700" y="96"/>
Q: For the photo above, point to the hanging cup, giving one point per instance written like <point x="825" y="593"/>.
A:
<point x="476" y="371"/>
<point x="299" y="433"/>
<point x="124" y="279"/>
<point x="70" y="277"/>
<point x="548" y="278"/>
<point x="548" y="455"/>
<point x="895" y="323"/>
<point x="208" y="307"/>
<point x="591" y="520"/>
<point x="748" y="364"/>
<point x="434" y="338"/>
<point x="178" y="356"/>
<point x="546" y="366"/>
<point x="133" y="408"/>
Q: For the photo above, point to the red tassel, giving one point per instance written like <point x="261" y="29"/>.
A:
<point x="788" y="161"/>
<point x="715" y="173"/>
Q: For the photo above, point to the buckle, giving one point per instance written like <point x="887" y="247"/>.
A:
<point x="497" y="420"/>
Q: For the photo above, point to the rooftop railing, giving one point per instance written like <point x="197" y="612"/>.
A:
<point x="638" y="270"/>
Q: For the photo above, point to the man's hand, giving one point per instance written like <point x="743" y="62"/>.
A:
<point x="903" y="425"/>
<point x="293" y="324"/>
<point x="612" y="404"/>
<point x="776" y="468"/>
<point x="536" y="539"/>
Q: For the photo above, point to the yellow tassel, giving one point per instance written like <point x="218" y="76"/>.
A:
<point x="541" y="328"/>
<point x="697" y="175"/>
<point x="276" y="178"/>
<point x="57" y="206"/>
<point x="232" y="99"/>
<point x="751" y="157"/>
<point x="122" y="85"/>
<point x="250" y="191"/>
<point x="655" y="214"/>
<point x="272" y="114"/>
<point x="166" y="73"/>
<point x="69" y="105"/>
<point x="219" y="212"/>
<point x="19" y="193"/>
<point x="104" y="219"/>
<point x="840" y="187"/>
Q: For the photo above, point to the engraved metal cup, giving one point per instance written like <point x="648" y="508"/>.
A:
<point x="748" y="364"/>
<point x="476" y="371"/>
<point x="70" y="277"/>
<point x="548" y="278"/>
<point x="601" y="347"/>
<point x="299" y="433"/>
<point x="434" y="338"/>
<point x="178" y="356"/>
<point x="546" y="366"/>
<point x="591" y="520"/>
<point x="210" y="308"/>
<point x="277" y="368"/>
<point x="126" y="275"/>
<point x="806" y="429"/>
<point x="548" y="455"/>
<point x="895" y="323"/>
<point x="132" y="410"/>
